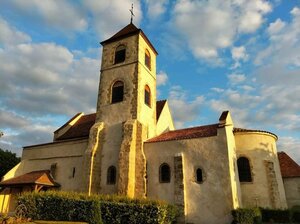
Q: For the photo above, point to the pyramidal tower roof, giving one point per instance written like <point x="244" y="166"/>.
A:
<point x="128" y="31"/>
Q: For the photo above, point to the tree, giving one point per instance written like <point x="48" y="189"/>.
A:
<point x="7" y="161"/>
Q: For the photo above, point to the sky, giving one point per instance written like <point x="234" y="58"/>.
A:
<point x="214" y="55"/>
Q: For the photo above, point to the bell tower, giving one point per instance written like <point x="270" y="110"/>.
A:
<point x="126" y="115"/>
<point x="127" y="87"/>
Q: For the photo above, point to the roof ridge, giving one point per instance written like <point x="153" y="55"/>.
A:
<point x="190" y="128"/>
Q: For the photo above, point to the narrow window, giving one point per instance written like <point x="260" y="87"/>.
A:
<point x="199" y="175"/>
<point x="244" y="169"/>
<point x="53" y="170"/>
<point x="147" y="96"/>
<point x="164" y="173"/>
<point x="117" y="92"/>
<point x="73" y="172"/>
<point x="148" y="59"/>
<point x="120" y="54"/>
<point x="111" y="175"/>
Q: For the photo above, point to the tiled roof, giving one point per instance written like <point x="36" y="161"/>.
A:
<point x="235" y="130"/>
<point x="128" y="31"/>
<point x="67" y="123"/>
<point x="81" y="128"/>
<point x="41" y="177"/>
<point x="159" y="107"/>
<point x="187" y="133"/>
<point x="288" y="167"/>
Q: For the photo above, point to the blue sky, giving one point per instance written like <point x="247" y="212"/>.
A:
<point x="214" y="55"/>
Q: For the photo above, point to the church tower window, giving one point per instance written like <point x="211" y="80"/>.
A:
<point x="164" y="173"/>
<point x="117" y="92"/>
<point x="147" y="96"/>
<point x="148" y="59"/>
<point x="120" y="54"/>
<point x="199" y="175"/>
<point x="244" y="169"/>
<point x="111" y="175"/>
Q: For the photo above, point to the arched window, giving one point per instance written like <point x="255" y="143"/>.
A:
<point x="199" y="175"/>
<point x="244" y="169"/>
<point x="164" y="173"/>
<point x="111" y="175"/>
<point x="147" y="96"/>
<point x="148" y="59"/>
<point x="117" y="92"/>
<point x="120" y="54"/>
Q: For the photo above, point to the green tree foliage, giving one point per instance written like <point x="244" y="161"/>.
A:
<point x="7" y="161"/>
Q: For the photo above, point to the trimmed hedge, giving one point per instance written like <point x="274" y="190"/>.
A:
<point x="61" y="206"/>
<point x="275" y="215"/>
<point x="259" y="215"/>
<point x="246" y="216"/>
<point x="112" y="209"/>
<point x="295" y="214"/>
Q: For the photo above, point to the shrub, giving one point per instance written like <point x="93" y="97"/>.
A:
<point x="246" y="216"/>
<point x="275" y="215"/>
<point x="295" y="214"/>
<point x="120" y="209"/>
<point x="70" y="206"/>
<point x="61" y="206"/>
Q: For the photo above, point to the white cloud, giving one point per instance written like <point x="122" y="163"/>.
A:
<point x="182" y="109"/>
<point x="156" y="8"/>
<point x="236" y="78"/>
<point x="39" y="79"/>
<point x="10" y="35"/>
<point x="276" y="27"/>
<point x="217" y="90"/>
<point x="60" y="14"/>
<point x="161" y="78"/>
<point x="239" y="53"/>
<point x="291" y="146"/>
<point x="109" y="16"/>
<point x="213" y="25"/>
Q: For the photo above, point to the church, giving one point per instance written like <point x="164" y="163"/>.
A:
<point x="130" y="147"/>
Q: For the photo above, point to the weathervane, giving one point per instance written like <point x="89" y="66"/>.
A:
<point x="131" y="11"/>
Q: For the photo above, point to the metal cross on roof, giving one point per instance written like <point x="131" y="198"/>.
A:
<point x="131" y="11"/>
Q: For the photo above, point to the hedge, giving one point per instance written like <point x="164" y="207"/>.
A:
<point x="61" y="206"/>
<point x="70" y="206"/>
<point x="259" y="215"/>
<point x="246" y="216"/>
<point x="275" y="215"/>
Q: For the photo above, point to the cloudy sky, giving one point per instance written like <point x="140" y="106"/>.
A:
<point x="214" y="55"/>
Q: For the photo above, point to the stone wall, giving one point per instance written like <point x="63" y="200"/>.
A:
<point x="259" y="147"/>
<point x="292" y="190"/>
<point x="179" y="186"/>
<point x="92" y="159"/>
<point x="132" y="163"/>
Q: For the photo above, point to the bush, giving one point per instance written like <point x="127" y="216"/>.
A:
<point x="295" y="214"/>
<point x="120" y="209"/>
<point x="275" y="215"/>
<point x="246" y="216"/>
<point x="61" y="206"/>
<point x="70" y="206"/>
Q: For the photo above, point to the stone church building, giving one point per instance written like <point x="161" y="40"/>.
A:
<point x="130" y="147"/>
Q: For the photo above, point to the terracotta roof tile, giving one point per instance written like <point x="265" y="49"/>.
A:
<point x="288" y="167"/>
<point x="235" y="130"/>
<point x="159" y="107"/>
<point x="187" y="133"/>
<point x="127" y="31"/>
<point x="81" y="128"/>
<point x="41" y="177"/>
